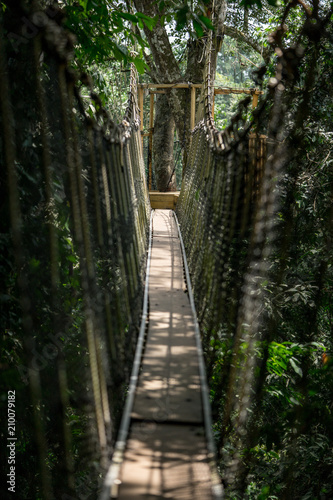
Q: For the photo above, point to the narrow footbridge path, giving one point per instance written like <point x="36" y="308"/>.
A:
<point x="168" y="451"/>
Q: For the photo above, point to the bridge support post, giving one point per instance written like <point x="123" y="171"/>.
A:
<point x="255" y="98"/>
<point x="140" y="97"/>
<point x="213" y="104"/>
<point x="151" y="129"/>
<point x="192" y="119"/>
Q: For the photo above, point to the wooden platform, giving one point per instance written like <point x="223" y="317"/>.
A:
<point x="163" y="200"/>
<point x="166" y="454"/>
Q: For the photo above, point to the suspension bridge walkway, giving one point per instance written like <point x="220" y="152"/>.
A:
<point x="84" y="251"/>
<point x="167" y="454"/>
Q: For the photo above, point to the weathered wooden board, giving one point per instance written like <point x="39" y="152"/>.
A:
<point x="165" y="462"/>
<point x="169" y="387"/>
<point x="163" y="200"/>
<point x="166" y="455"/>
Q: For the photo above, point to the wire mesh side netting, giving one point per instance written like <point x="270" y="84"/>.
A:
<point x="240" y="217"/>
<point x="75" y="215"/>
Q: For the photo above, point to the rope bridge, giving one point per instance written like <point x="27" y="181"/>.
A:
<point x="238" y="221"/>
<point x="75" y="214"/>
<point x="76" y="233"/>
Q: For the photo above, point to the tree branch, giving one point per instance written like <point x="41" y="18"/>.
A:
<point x="244" y="37"/>
<point x="306" y="8"/>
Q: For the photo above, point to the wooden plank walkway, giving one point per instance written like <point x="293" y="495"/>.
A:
<point x="166" y="200"/>
<point x="166" y="453"/>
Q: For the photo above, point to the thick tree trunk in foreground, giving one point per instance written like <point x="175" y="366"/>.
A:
<point x="163" y="160"/>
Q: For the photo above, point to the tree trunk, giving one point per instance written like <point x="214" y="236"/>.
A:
<point x="175" y="104"/>
<point x="163" y="160"/>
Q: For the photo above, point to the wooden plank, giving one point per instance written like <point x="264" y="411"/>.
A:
<point x="160" y="205"/>
<point x="140" y="97"/>
<point x="162" y="196"/>
<point x="192" y="119"/>
<point x="255" y="100"/>
<point x="151" y="125"/>
<point x="165" y="226"/>
<point x="169" y="386"/>
<point x="169" y="85"/>
<point x="227" y="91"/>
<point x="217" y="90"/>
<point x="165" y="461"/>
<point x="166" y="200"/>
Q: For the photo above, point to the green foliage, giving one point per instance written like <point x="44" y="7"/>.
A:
<point x="258" y="3"/>
<point x="110" y="82"/>
<point x="104" y="33"/>
<point x="291" y="415"/>
<point x="235" y="64"/>
<point x="192" y="17"/>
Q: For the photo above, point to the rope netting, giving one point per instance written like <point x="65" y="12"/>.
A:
<point x="75" y="216"/>
<point x="239" y="218"/>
